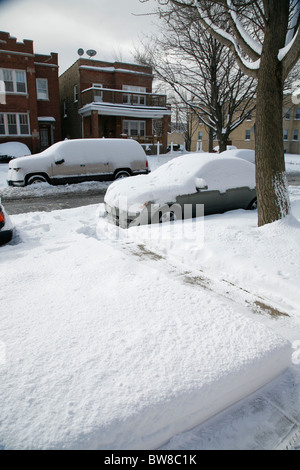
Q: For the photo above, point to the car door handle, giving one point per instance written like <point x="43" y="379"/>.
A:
<point x="59" y="162"/>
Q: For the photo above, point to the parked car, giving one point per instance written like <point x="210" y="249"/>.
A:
<point x="6" y="227"/>
<point x="10" y="150"/>
<point x="185" y="182"/>
<point x="73" y="161"/>
<point x="246" y="154"/>
<point x="228" y="147"/>
<point x="175" y="148"/>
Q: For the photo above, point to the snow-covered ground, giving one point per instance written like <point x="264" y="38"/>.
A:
<point x="140" y="338"/>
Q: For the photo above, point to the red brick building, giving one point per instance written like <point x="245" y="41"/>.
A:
<point x="29" y="95"/>
<point x="112" y="99"/>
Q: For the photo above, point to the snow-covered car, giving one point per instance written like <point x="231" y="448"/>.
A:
<point x="228" y="147"/>
<point x="10" y="150"/>
<point x="174" y="148"/>
<point x="6" y="227"/>
<point x="77" y="160"/>
<point x="178" y="188"/>
<point x="246" y="154"/>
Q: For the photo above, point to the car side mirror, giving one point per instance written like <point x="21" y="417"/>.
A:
<point x="59" y="162"/>
<point x="201" y="184"/>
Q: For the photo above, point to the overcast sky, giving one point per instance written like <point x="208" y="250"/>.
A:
<point x="108" y="26"/>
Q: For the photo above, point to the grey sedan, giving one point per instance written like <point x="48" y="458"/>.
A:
<point x="187" y="186"/>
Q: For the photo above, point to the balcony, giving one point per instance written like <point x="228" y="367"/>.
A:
<point x="120" y="100"/>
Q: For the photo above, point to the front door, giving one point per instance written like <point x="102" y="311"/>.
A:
<point x="45" y="137"/>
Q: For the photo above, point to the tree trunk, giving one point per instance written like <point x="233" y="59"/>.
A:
<point x="271" y="182"/>
<point x="210" y="140"/>
<point x="223" y="143"/>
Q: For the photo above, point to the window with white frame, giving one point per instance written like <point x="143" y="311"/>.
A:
<point x="14" y="80"/>
<point x="296" y="134"/>
<point x="286" y="134"/>
<point x="14" y="124"/>
<point x="288" y="113"/>
<point x="200" y="135"/>
<point x="42" y="89"/>
<point x="297" y="114"/>
<point x="98" y="93"/>
<point x="2" y="125"/>
<point x="135" y="99"/>
<point x="134" y="128"/>
<point x="24" y="124"/>
<point x="248" y="135"/>
<point x="20" y="81"/>
<point x="75" y="89"/>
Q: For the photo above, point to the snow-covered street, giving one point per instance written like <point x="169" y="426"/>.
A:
<point x="142" y="338"/>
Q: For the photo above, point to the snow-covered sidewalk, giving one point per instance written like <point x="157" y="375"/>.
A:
<point x="115" y="339"/>
<point x="102" y="349"/>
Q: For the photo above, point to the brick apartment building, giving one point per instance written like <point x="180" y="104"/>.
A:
<point x="112" y="99"/>
<point x="29" y="95"/>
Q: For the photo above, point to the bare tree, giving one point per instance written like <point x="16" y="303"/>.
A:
<point x="264" y="36"/>
<point x="201" y="71"/>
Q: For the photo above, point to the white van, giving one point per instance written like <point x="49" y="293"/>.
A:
<point x="73" y="161"/>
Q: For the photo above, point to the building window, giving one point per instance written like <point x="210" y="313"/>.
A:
<point x="285" y="134"/>
<point x="42" y="88"/>
<point x="249" y="117"/>
<point x="8" y="80"/>
<point x="14" y="80"/>
<point x="20" y="81"/>
<point x="295" y="135"/>
<point x="2" y="124"/>
<point x="98" y="94"/>
<point x="200" y="135"/>
<point x="297" y="115"/>
<point x="134" y="128"/>
<point x="24" y="125"/>
<point x="288" y="113"/>
<point x="137" y="100"/>
<point x="14" y="124"/>
<point x="75" y="93"/>
<point x="248" y="135"/>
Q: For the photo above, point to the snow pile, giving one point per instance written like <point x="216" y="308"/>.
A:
<point x="106" y="351"/>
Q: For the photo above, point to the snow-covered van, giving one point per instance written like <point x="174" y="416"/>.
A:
<point x="73" y="161"/>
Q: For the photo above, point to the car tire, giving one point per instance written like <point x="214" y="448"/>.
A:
<point x="253" y="205"/>
<point x="122" y="174"/>
<point x="167" y="217"/>
<point x="35" y="179"/>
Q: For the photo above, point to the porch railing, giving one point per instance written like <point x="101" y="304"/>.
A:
<point x="122" y="97"/>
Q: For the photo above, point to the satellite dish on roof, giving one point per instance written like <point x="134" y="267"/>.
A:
<point x="80" y="51"/>
<point x="91" y="52"/>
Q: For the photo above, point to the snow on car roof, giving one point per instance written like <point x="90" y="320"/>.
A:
<point x="178" y="177"/>
<point x="245" y="154"/>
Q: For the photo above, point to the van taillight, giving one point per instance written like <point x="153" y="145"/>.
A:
<point x="1" y="217"/>
<point x="147" y="164"/>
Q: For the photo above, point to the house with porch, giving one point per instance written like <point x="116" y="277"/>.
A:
<point x="112" y="100"/>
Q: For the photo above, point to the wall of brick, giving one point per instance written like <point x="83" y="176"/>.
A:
<point x="20" y="56"/>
